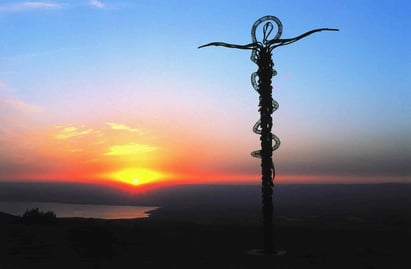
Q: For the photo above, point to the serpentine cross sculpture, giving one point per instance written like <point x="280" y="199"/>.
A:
<point x="261" y="81"/>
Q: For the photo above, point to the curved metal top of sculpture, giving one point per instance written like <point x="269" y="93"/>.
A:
<point x="267" y="30"/>
<point x="261" y="55"/>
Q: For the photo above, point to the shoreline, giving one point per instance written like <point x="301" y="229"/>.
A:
<point x="67" y="210"/>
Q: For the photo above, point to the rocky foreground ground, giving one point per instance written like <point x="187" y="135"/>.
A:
<point x="310" y="242"/>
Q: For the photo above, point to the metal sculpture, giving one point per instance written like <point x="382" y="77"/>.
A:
<point x="261" y="82"/>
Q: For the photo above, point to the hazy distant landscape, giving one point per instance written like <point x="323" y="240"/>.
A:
<point x="191" y="201"/>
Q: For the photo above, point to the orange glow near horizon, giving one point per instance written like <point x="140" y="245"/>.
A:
<point x="134" y="158"/>
<point x="116" y="152"/>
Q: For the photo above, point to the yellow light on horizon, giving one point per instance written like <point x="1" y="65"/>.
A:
<point x="136" y="176"/>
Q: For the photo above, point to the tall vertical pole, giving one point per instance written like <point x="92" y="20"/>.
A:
<point x="265" y="73"/>
<point x="262" y="56"/>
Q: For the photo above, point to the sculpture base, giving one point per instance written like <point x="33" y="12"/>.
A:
<point x="260" y="252"/>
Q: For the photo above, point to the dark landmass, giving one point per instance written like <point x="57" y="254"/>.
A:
<point x="214" y="226"/>
<point x="301" y="197"/>
<point x="210" y="202"/>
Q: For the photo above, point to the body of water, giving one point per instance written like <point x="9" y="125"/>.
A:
<point x="79" y="210"/>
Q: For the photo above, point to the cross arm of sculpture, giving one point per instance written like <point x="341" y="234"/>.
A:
<point x="273" y="43"/>
<point x="286" y="41"/>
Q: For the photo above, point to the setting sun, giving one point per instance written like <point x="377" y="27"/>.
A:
<point x="136" y="176"/>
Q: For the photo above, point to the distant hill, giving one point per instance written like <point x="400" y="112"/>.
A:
<point x="4" y="218"/>
<point x="289" y="199"/>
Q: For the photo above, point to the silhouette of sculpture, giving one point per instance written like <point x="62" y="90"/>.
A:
<point x="261" y="82"/>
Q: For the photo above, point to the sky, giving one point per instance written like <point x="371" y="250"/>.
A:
<point x="118" y="92"/>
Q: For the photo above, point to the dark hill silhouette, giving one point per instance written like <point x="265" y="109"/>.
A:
<point x="213" y="226"/>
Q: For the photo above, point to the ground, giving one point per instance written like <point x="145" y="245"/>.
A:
<point x="310" y="242"/>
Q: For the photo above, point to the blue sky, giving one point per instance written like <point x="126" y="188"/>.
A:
<point x="344" y="96"/>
